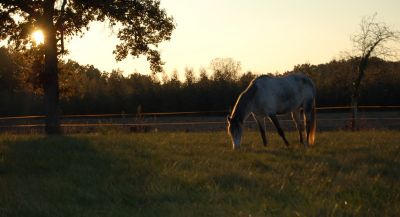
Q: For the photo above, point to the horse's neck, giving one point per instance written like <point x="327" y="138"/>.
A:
<point x="244" y="105"/>
<point x="242" y="110"/>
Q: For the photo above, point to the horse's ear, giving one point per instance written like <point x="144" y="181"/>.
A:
<point x="228" y="118"/>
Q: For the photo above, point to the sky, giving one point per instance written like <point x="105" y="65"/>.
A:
<point x="265" y="36"/>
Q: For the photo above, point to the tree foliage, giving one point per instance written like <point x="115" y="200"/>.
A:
<point x="141" y="26"/>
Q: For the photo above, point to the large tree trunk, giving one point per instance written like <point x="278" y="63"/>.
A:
<point x="50" y="74"/>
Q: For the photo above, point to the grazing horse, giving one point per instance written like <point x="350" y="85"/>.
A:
<point x="268" y="96"/>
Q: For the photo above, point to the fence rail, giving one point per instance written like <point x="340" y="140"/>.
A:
<point x="336" y="116"/>
<point x="332" y="108"/>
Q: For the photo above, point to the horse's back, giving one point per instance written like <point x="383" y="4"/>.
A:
<point x="295" y="83"/>
<point x="283" y="94"/>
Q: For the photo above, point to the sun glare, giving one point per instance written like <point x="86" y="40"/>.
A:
<point x="38" y="37"/>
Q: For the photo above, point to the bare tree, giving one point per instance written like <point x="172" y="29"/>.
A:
<point x="226" y="69"/>
<point x="373" y="40"/>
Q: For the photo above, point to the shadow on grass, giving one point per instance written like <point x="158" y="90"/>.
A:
<point x="89" y="176"/>
<point x="67" y="176"/>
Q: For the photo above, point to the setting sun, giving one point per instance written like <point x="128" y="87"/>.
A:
<point x="38" y="37"/>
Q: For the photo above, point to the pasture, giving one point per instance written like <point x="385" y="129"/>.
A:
<point x="197" y="174"/>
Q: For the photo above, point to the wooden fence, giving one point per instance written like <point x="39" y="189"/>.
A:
<point x="329" y="118"/>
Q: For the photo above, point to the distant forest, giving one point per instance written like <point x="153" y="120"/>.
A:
<point x="87" y="90"/>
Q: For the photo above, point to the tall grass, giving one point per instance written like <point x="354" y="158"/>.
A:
<point x="197" y="174"/>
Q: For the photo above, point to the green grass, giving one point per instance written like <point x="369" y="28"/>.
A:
<point x="197" y="174"/>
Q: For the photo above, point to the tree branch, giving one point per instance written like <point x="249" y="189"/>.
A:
<point x="59" y="24"/>
<point x="24" y="7"/>
<point x="61" y="18"/>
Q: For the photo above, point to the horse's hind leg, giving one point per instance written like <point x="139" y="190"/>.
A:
<point x="296" y="116"/>
<point x="308" y="109"/>
<point x="261" y="127"/>
<point x="278" y="128"/>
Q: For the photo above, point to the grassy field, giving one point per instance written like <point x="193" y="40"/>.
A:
<point x="197" y="174"/>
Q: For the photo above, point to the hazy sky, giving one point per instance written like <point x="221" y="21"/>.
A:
<point x="264" y="35"/>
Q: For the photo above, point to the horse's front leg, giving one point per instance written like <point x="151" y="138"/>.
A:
<point x="278" y="128"/>
<point x="261" y="126"/>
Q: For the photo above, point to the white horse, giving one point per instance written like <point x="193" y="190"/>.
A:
<point x="268" y="96"/>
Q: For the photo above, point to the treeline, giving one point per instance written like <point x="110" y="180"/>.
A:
<point x="334" y="81"/>
<point x="87" y="90"/>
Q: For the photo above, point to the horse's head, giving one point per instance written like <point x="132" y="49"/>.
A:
<point x="235" y="130"/>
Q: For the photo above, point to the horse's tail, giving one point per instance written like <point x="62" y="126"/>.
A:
<point x="313" y="122"/>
